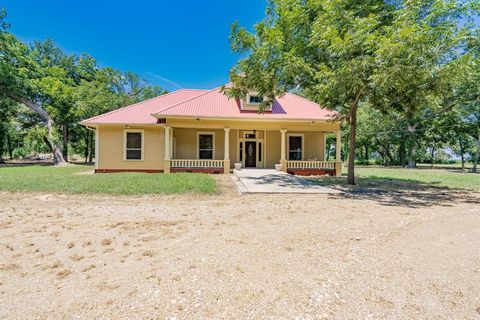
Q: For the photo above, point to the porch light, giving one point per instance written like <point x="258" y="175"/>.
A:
<point x="198" y="119"/>
<point x="127" y="126"/>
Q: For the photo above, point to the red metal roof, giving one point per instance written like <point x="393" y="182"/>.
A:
<point x="211" y="104"/>
<point x="141" y="113"/>
<point x="214" y="104"/>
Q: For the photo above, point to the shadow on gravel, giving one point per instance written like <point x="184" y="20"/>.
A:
<point x="398" y="192"/>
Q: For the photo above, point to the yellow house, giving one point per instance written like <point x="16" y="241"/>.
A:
<point x="206" y="131"/>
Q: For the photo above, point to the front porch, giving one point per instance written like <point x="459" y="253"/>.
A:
<point x="218" y="150"/>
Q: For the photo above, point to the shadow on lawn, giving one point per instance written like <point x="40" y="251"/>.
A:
<point x="398" y="192"/>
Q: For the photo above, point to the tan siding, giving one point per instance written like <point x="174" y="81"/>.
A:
<point x="274" y="139"/>
<point x="111" y="148"/>
<point x="186" y="142"/>
<point x="314" y="145"/>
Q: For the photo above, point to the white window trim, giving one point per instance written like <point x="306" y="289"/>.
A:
<point x="125" y="131"/>
<point x="213" y="143"/>
<point x="303" y="144"/>
<point x="253" y="103"/>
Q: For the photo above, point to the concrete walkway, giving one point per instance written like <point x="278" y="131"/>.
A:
<point x="272" y="181"/>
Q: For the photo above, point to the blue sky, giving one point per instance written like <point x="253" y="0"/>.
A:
<point x="174" y="44"/>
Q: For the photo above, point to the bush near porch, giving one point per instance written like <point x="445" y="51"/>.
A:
<point x="80" y="179"/>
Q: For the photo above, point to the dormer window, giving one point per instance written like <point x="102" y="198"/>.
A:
<point x="255" y="99"/>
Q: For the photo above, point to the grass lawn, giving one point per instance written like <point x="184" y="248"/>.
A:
<point x="449" y="178"/>
<point x="78" y="179"/>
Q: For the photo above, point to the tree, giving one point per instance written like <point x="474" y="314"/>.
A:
<point x="325" y="49"/>
<point x="419" y="63"/>
<point x="21" y="82"/>
<point x="469" y="103"/>
<point x="61" y="90"/>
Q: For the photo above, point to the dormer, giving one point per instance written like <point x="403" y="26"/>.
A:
<point x="253" y="102"/>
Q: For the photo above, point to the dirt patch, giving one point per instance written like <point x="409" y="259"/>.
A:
<point x="354" y="256"/>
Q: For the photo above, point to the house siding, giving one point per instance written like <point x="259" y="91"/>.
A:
<point x="111" y="148"/>
<point x="111" y="142"/>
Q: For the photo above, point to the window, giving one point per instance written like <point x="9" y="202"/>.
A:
<point x="254" y="99"/>
<point x="241" y="151"/>
<point x="260" y="152"/>
<point x="205" y="142"/>
<point x="295" y="148"/>
<point x="134" y="145"/>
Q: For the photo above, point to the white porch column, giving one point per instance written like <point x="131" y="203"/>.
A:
<point x="166" y="159"/>
<point x="283" y="146"/>
<point x="338" y="154"/>
<point x="227" y="144"/>
<point x="226" y="151"/>
<point x="167" y="142"/>
<point x="171" y="143"/>
<point x="283" y="159"/>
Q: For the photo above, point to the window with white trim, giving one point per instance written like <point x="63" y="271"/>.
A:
<point x="255" y="99"/>
<point x="295" y="147"/>
<point x="133" y="145"/>
<point x="205" y="145"/>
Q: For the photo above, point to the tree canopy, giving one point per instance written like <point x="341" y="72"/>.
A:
<point x="403" y="58"/>
<point x="58" y="90"/>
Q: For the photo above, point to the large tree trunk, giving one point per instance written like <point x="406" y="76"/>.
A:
<point x="56" y="149"/>
<point x="477" y="154"/>
<point x="412" y="152"/>
<point x="9" y="146"/>
<point x="65" y="141"/>
<point x="401" y="153"/>
<point x="87" y="146"/>
<point x="432" y="155"/>
<point x="462" y="153"/>
<point x="353" y="138"/>
<point x="3" y="132"/>
<point x="92" y="146"/>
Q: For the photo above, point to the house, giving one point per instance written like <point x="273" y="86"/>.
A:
<point x="205" y="131"/>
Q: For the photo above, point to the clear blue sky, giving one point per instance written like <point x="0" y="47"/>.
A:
<point x="174" y="44"/>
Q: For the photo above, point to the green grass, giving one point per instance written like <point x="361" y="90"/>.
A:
<point x="449" y="178"/>
<point x="77" y="179"/>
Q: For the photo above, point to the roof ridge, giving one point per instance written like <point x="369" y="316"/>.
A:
<point x="192" y="98"/>
<point x="137" y="103"/>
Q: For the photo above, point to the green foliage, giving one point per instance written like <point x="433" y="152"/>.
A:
<point x="76" y="179"/>
<point x="405" y="59"/>
<point x="63" y="89"/>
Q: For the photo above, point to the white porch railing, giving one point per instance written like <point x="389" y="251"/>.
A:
<point x="195" y="163"/>
<point x="311" y="164"/>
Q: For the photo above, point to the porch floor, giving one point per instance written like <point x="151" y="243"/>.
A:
<point x="272" y="181"/>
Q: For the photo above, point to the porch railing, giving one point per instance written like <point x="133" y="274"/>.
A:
<point x="311" y="164"/>
<point x="195" y="163"/>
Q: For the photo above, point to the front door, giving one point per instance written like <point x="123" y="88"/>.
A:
<point x="250" y="154"/>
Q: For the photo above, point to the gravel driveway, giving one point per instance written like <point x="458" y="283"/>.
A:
<point x="414" y="255"/>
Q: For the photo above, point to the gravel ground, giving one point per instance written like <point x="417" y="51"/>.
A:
<point x="404" y="253"/>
